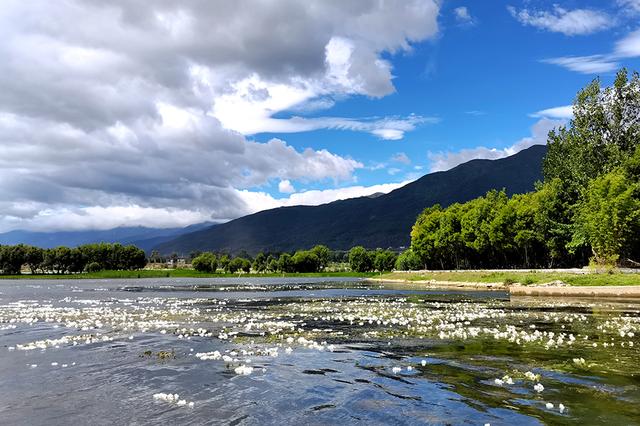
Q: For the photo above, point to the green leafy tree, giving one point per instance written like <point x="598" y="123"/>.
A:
<point x="408" y="261"/>
<point x="260" y="263"/>
<point x="360" y="259"/>
<point x="223" y="262"/>
<point x="608" y="217"/>
<point x="284" y="263"/>
<point x="305" y="261"/>
<point x="273" y="265"/>
<point x="384" y="260"/>
<point x="11" y="259"/>
<point x="323" y="254"/>
<point x="205" y="262"/>
<point x="33" y="257"/>
<point x="604" y="131"/>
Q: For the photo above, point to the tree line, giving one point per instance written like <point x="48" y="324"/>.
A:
<point x="316" y="259"/>
<point x="65" y="260"/>
<point x="586" y="209"/>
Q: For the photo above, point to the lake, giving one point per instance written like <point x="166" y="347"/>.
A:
<point x="310" y="351"/>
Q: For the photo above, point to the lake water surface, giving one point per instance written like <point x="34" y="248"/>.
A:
<point x="310" y="351"/>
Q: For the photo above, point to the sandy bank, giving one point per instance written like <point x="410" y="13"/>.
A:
<point x="575" y="291"/>
<point x="544" y="290"/>
<point x="444" y="284"/>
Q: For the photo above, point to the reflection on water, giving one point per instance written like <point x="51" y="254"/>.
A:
<point x="310" y="351"/>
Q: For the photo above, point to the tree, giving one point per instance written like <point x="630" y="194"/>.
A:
<point x="384" y="260"/>
<point x="224" y="262"/>
<point x="11" y="259"/>
<point x="205" y="262"/>
<point x="423" y="234"/>
<point x="33" y="257"/>
<point x="360" y="259"/>
<point x="284" y="263"/>
<point x="608" y="217"/>
<point x="260" y="263"/>
<point x="408" y="261"/>
<point x="305" y="261"/>
<point x="604" y="131"/>
<point x="239" y="264"/>
<point x="323" y="253"/>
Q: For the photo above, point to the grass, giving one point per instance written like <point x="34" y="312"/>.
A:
<point x="526" y="278"/>
<point x="180" y="273"/>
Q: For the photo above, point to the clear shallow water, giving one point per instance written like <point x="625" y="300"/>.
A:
<point x="322" y="352"/>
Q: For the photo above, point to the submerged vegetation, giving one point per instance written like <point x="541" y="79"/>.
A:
<point x="487" y="357"/>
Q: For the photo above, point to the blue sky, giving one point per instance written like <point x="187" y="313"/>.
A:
<point x="483" y="79"/>
<point x="167" y="113"/>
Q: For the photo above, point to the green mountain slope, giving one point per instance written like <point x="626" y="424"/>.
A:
<point x="383" y="221"/>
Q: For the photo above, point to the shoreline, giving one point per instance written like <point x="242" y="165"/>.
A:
<point x="517" y="289"/>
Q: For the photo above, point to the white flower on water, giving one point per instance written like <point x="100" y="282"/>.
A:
<point x="549" y="406"/>
<point x="243" y="370"/>
<point x="538" y="387"/>
<point x="423" y="362"/>
<point x="499" y="382"/>
<point x="396" y="370"/>
<point x="561" y="407"/>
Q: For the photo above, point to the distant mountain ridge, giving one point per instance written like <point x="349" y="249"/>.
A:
<point x="383" y="221"/>
<point x="140" y="236"/>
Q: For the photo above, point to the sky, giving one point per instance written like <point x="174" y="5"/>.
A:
<point x="163" y="113"/>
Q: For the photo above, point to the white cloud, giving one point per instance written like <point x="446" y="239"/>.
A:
<point x="560" y="20"/>
<point x="286" y="187"/>
<point x="630" y="7"/>
<point x="140" y="110"/>
<point x="462" y="15"/>
<point x="585" y="64"/>
<point x="248" y="109"/>
<point x="629" y="46"/>
<point x="447" y="160"/>
<point x="65" y="218"/>
<point x="562" y="112"/>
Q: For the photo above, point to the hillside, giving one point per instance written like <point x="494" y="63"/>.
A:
<point x="383" y="221"/>
<point x="142" y="237"/>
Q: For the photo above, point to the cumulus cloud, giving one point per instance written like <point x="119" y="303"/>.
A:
<point x="140" y="111"/>
<point x="441" y="161"/>
<point x="286" y="187"/>
<point x="560" y="20"/>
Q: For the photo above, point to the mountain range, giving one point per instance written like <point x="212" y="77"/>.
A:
<point x="375" y="221"/>
<point x="379" y="221"/>
<point x="140" y="236"/>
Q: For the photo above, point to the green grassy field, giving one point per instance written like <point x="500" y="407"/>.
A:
<point x="178" y="273"/>
<point x="526" y="278"/>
